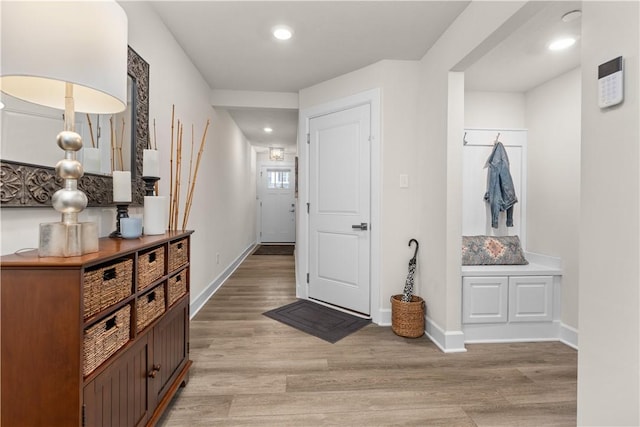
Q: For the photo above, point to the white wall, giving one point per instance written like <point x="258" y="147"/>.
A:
<point x="441" y="124"/>
<point x="494" y="110"/>
<point x="223" y="211"/>
<point x="609" y="357"/>
<point x="553" y="194"/>
<point x="399" y="213"/>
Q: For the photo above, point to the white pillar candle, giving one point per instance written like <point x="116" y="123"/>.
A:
<point x="91" y="159"/>
<point x="122" y="186"/>
<point x="150" y="163"/>
<point x="155" y="215"/>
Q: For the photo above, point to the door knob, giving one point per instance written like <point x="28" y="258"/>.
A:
<point x="361" y="226"/>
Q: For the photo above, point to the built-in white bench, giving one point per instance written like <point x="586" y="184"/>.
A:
<point x="512" y="302"/>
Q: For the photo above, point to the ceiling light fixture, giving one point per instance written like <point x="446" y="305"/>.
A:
<point x="282" y="32"/>
<point x="276" y="153"/>
<point x="268" y="130"/>
<point x="562" y="43"/>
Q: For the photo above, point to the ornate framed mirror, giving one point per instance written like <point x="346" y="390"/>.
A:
<point x="31" y="185"/>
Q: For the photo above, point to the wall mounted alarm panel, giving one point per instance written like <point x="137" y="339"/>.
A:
<point x="610" y="83"/>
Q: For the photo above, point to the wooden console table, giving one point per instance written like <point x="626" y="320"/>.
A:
<point x="99" y="339"/>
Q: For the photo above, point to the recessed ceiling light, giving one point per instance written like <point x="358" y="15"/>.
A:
<point x="562" y="43"/>
<point x="282" y="32"/>
<point x="268" y="130"/>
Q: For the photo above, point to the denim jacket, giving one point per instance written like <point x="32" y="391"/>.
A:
<point x="500" y="194"/>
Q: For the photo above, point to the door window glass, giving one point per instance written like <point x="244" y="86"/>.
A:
<point x="278" y="179"/>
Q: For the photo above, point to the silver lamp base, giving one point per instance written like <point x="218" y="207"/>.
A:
<point x="64" y="240"/>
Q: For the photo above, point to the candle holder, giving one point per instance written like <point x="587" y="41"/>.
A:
<point x="150" y="184"/>
<point x="122" y="211"/>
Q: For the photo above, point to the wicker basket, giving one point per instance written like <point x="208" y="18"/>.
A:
<point x="105" y="338"/>
<point x="106" y="286"/>
<point x="178" y="254"/>
<point x="407" y="318"/>
<point x="150" y="267"/>
<point x="177" y="286"/>
<point x="149" y="307"/>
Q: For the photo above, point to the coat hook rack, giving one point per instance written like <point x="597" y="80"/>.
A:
<point x="497" y="138"/>
<point x="464" y="139"/>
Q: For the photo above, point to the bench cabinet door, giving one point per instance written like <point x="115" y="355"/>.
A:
<point x="485" y="299"/>
<point x="530" y="299"/>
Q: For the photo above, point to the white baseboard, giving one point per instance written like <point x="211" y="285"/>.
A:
<point x="384" y="317"/>
<point x="211" y="289"/>
<point x="447" y="341"/>
<point x="521" y="332"/>
<point x="569" y="335"/>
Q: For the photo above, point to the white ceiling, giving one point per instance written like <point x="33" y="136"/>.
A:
<point x="231" y="45"/>
<point x="522" y="61"/>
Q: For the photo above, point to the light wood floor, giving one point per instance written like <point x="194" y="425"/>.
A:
<point x="250" y="370"/>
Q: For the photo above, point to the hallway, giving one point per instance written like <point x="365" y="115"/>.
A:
<point x="250" y="370"/>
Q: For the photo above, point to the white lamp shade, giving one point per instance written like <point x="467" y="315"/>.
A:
<point x="46" y="44"/>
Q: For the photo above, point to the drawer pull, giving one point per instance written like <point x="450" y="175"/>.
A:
<point x="178" y="278"/>
<point x="152" y="257"/>
<point x="109" y="274"/>
<point x="179" y="245"/>
<point x="151" y="296"/>
<point x="110" y="324"/>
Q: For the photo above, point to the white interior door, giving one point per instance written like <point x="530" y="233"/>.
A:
<point x="339" y="210"/>
<point x="277" y="202"/>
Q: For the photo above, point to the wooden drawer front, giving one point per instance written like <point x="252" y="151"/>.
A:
<point x="107" y="285"/>
<point x="177" y="286"/>
<point x="150" y="266"/>
<point x="178" y="254"/>
<point x="104" y="338"/>
<point x="150" y="306"/>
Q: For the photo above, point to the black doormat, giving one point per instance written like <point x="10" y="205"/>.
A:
<point x="274" y="250"/>
<point x="317" y="320"/>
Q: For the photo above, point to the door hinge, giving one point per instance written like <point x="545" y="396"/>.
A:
<point x="84" y="416"/>
<point x="308" y="138"/>
<point x="308" y="204"/>
<point x="307" y="277"/>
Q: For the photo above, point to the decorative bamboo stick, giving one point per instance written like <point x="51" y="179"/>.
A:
<point x="178" y="175"/>
<point x="155" y="136"/>
<point x="173" y="107"/>
<point x="113" y="144"/>
<point x="93" y="141"/>
<point x="195" y="177"/>
<point x="186" y="205"/>
<point x="120" y="145"/>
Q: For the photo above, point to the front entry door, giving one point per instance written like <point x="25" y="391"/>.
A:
<point x="277" y="202"/>
<point x="339" y="210"/>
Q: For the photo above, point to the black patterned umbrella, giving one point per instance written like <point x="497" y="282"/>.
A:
<point x="408" y="285"/>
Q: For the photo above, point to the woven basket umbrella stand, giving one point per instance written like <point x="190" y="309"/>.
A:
<point x="408" y="310"/>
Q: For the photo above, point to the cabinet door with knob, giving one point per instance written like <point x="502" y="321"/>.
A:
<point x="119" y="396"/>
